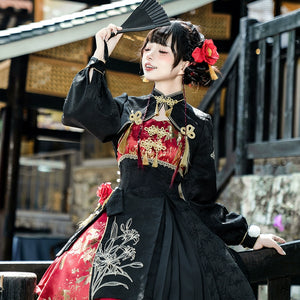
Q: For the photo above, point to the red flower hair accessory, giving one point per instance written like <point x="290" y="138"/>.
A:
<point x="208" y="53"/>
<point x="104" y="191"/>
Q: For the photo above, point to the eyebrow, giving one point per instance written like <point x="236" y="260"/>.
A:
<point x="160" y="44"/>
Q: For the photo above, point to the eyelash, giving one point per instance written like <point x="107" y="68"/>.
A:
<point x="160" y="51"/>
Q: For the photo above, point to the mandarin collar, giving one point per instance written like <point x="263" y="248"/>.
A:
<point x="175" y="96"/>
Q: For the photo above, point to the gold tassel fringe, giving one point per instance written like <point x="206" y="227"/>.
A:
<point x="155" y="161"/>
<point x="185" y="157"/>
<point x="123" y="143"/>
<point x="212" y="73"/>
<point x="168" y="112"/>
<point x="145" y="159"/>
<point x="156" y="109"/>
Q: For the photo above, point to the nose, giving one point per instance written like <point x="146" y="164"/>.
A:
<point x="149" y="55"/>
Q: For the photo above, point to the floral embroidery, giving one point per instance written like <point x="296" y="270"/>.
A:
<point x="110" y="258"/>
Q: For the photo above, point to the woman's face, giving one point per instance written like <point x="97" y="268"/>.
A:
<point x="158" y="61"/>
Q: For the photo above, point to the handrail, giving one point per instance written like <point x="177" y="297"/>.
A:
<point x="233" y="55"/>
<point x="253" y="102"/>
<point x="276" y="26"/>
<point x="222" y="96"/>
<point x="264" y="267"/>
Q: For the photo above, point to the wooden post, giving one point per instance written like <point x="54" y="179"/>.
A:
<point x="243" y="8"/>
<point x="17" y="285"/>
<point x="4" y="169"/>
<point x="66" y="183"/>
<point x="279" y="289"/>
<point x="277" y="8"/>
<point x="16" y="95"/>
<point x="38" y="10"/>
<point x="243" y="98"/>
<point x="4" y="146"/>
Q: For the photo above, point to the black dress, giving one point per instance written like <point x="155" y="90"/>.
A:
<point x="161" y="241"/>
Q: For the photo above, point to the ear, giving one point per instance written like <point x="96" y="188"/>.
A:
<point x="183" y="65"/>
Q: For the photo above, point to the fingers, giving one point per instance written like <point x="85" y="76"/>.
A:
<point x="270" y="241"/>
<point x="279" y="249"/>
<point x="105" y="33"/>
<point x="278" y="239"/>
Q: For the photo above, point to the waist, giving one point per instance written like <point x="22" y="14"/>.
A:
<point x="146" y="181"/>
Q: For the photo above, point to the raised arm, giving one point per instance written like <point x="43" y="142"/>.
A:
<point x="103" y="37"/>
<point x="89" y="103"/>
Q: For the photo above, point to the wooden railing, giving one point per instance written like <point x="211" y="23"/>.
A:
<point x="258" y="94"/>
<point x="264" y="267"/>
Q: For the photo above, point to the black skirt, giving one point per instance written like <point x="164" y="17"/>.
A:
<point x="157" y="248"/>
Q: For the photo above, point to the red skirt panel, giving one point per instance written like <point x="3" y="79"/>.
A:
<point x="69" y="275"/>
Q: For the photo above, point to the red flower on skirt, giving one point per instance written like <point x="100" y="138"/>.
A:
<point x="104" y="191"/>
<point x="208" y="53"/>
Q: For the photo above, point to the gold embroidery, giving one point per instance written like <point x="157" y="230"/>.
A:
<point x="155" y="130"/>
<point x="148" y="144"/>
<point x="136" y="117"/>
<point x="168" y="100"/>
<point x="188" y="131"/>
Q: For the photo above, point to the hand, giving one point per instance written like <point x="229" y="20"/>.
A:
<point x="104" y="35"/>
<point x="269" y="241"/>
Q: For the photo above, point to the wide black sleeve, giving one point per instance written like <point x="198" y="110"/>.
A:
<point x="199" y="189"/>
<point x="90" y="105"/>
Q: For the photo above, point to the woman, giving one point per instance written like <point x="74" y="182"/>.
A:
<point x="159" y="235"/>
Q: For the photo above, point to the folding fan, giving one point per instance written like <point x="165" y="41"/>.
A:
<point x="148" y="15"/>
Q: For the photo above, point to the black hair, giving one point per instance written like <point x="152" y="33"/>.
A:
<point x="185" y="38"/>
